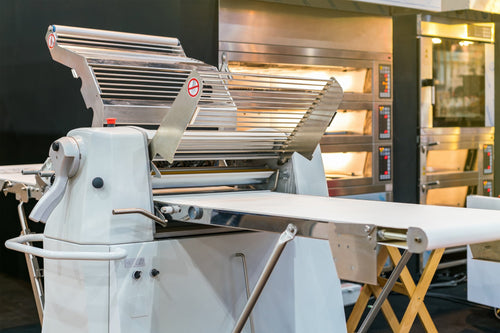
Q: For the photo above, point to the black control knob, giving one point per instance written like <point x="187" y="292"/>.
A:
<point x="155" y="272"/>
<point x="137" y="275"/>
<point x="98" y="182"/>
<point x="55" y="146"/>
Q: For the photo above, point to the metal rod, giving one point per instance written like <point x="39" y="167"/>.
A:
<point x="124" y="46"/>
<point x="391" y="235"/>
<point x="457" y="249"/>
<point x="142" y="69"/>
<point x="247" y="285"/>
<point x="370" y="317"/>
<point x="452" y="263"/>
<point x="285" y="237"/>
<point x="63" y="30"/>
<point x="267" y="76"/>
<point x="33" y="267"/>
<point x="142" y="212"/>
<point x="138" y="75"/>
<point x="91" y="40"/>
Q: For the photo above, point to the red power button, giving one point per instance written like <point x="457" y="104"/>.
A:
<point x="110" y="122"/>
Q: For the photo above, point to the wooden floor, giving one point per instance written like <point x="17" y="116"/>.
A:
<point x="18" y="311"/>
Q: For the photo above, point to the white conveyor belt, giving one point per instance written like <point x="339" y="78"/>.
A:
<point x="439" y="226"/>
<point x="13" y="174"/>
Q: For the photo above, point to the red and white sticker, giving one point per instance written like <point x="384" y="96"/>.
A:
<point x="193" y="87"/>
<point x="51" y="41"/>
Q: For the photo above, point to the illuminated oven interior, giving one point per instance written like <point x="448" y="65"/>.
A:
<point x="351" y="79"/>
<point x="459" y="72"/>
<point x="450" y="161"/>
<point x="352" y="122"/>
<point x="448" y="196"/>
<point x="347" y="165"/>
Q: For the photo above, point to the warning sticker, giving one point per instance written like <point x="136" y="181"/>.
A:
<point x="51" y="41"/>
<point x="193" y="87"/>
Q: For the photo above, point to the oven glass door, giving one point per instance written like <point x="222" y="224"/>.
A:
<point x="347" y="165"/>
<point x="459" y="83"/>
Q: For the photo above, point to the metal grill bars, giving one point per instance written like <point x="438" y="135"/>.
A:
<point x="73" y="37"/>
<point x="135" y="79"/>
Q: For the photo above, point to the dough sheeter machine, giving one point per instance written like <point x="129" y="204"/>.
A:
<point x="178" y="219"/>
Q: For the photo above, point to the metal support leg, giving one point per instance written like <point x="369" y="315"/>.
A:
<point x="247" y="285"/>
<point x="285" y="237"/>
<point x="385" y="292"/>
<point x="33" y="268"/>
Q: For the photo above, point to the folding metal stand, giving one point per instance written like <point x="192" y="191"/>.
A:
<point x="405" y="286"/>
<point x="34" y="270"/>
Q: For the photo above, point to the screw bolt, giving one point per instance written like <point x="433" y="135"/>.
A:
<point x="195" y="213"/>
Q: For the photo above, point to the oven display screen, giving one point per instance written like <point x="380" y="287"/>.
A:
<point x="384" y="81"/>
<point x="384" y="163"/>
<point x="384" y="122"/>
<point x="488" y="159"/>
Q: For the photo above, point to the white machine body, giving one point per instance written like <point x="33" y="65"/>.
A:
<point x="189" y="284"/>
<point x="482" y="275"/>
<point x="118" y="157"/>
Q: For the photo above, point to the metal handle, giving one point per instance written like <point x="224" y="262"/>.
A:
<point x="247" y="285"/>
<point x="426" y="186"/>
<point x="142" y="212"/>
<point x="17" y="244"/>
<point x="430" y="144"/>
<point x="65" y="156"/>
<point x="40" y="173"/>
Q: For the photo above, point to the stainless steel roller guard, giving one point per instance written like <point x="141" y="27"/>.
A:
<point x="135" y="79"/>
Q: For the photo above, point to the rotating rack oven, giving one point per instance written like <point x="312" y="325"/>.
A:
<point x="357" y="146"/>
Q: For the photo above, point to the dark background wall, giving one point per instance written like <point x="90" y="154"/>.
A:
<point x="39" y="99"/>
<point x="406" y="102"/>
<point x="496" y="153"/>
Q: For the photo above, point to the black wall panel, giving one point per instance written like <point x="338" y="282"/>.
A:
<point x="39" y="99"/>
<point x="406" y="102"/>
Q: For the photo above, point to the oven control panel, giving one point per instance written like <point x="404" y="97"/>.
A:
<point x="384" y="163"/>
<point x="487" y="159"/>
<point x="488" y="188"/>
<point x="384" y="122"/>
<point x="384" y="81"/>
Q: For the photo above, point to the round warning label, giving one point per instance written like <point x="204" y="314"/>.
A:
<point x="51" y="41"/>
<point x="193" y="87"/>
